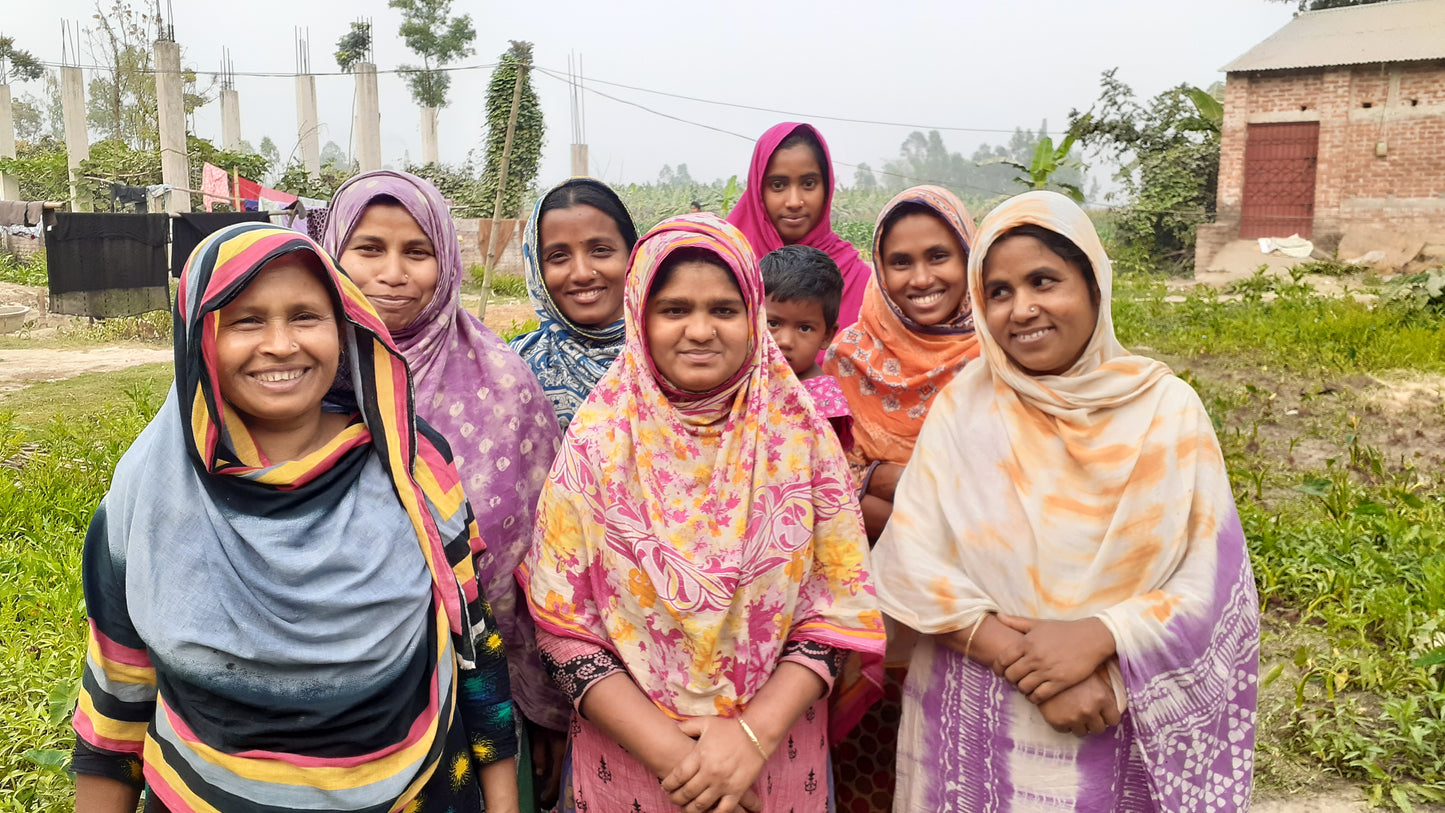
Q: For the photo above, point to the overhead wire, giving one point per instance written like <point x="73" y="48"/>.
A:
<point x="557" y="76"/>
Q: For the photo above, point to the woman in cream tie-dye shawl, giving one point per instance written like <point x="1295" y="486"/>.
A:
<point x="1074" y="529"/>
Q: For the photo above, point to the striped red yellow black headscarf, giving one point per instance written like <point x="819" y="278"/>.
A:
<point x="373" y="381"/>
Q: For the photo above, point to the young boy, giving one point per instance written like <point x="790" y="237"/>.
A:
<point x="805" y="290"/>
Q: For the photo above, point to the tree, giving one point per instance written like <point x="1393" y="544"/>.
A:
<point x="121" y="98"/>
<point x="353" y="47"/>
<point x="439" y="41"/>
<point x="332" y="155"/>
<point x="1168" y="156"/>
<point x="863" y="177"/>
<point x="526" y="141"/>
<point x="17" y="64"/>
<point x="269" y="151"/>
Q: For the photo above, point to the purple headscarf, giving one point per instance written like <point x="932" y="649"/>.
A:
<point x="485" y="401"/>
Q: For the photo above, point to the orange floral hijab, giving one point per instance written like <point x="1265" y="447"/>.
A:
<point x="890" y="367"/>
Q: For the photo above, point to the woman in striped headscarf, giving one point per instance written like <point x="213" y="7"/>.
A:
<point x="699" y="571"/>
<point x="282" y="603"/>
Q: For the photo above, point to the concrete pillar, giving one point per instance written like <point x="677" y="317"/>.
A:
<point x="307" y="130"/>
<point x="579" y="160"/>
<point x="368" y="118"/>
<point x="429" y="152"/>
<point x="9" y="184"/>
<point x="230" y="119"/>
<point x="171" y="115"/>
<point x="77" y="140"/>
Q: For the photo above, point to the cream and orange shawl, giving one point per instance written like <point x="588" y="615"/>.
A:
<point x="1100" y="492"/>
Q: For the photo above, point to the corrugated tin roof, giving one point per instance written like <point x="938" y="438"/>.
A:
<point x="1395" y="31"/>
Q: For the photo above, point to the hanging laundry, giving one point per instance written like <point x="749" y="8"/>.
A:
<point x="248" y="190"/>
<point x="190" y="228"/>
<point x="316" y="222"/>
<point x="131" y="198"/>
<point x="215" y="184"/>
<point x="21" y="212"/>
<point x="107" y="265"/>
<point x="313" y="203"/>
<point x="274" y="200"/>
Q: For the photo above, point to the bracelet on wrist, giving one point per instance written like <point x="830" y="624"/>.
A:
<point x="748" y="730"/>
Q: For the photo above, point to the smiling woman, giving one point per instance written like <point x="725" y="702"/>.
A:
<point x="577" y="244"/>
<point x="281" y="572"/>
<point x="394" y="230"/>
<point x="700" y="573"/>
<point x="789" y="200"/>
<point x="1088" y="627"/>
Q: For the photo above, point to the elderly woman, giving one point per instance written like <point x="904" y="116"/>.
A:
<point x="577" y="245"/>
<point x="394" y="236"/>
<point x="282" y="606"/>
<point x="700" y="573"/>
<point x="1088" y="619"/>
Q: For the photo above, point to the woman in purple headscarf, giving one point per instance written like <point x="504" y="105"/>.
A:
<point x="393" y="235"/>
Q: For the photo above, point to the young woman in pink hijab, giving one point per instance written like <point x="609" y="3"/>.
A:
<point x="789" y="201"/>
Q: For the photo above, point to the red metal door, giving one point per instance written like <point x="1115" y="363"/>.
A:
<point x="1279" y="179"/>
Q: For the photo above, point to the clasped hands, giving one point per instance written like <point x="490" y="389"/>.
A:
<point x="716" y="767"/>
<point x="1059" y="667"/>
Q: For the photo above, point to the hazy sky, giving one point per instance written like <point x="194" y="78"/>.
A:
<point x="962" y="64"/>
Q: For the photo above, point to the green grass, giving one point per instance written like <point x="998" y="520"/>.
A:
<point x="1347" y="541"/>
<point x="71" y="401"/>
<point x="45" y="507"/>
<point x="28" y="271"/>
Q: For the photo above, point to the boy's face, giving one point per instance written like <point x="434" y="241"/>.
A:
<point x="799" y="330"/>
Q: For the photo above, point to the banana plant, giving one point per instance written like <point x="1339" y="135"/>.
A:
<point x="1047" y="160"/>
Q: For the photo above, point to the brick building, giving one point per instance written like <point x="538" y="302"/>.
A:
<point x="1334" y="123"/>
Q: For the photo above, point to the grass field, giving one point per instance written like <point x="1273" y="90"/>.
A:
<point x="1331" y="415"/>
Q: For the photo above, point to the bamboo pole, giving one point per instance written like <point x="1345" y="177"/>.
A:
<point x="236" y="190"/>
<point x="491" y="255"/>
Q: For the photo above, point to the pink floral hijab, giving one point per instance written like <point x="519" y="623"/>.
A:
<point x="694" y="536"/>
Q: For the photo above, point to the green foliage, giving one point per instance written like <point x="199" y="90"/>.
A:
<point x="1168" y="152"/>
<point x="991" y="172"/>
<point x="353" y="47"/>
<point x="1048" y="160"/>
<point x="24" y="271"/>
<point x="42" y="174"/>
<point x="47" y="496"/>
<point x="1424" y="290"/>
<point x="527" y="139"/>
<point x="438" y="40"/>
<point x="296" y="180"/>
<point x="503" y="285"/>
<point x="16" y="63"/>
<point x="460" y="185"/>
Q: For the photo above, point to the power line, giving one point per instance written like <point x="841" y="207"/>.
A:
<point x="792" y="114"/>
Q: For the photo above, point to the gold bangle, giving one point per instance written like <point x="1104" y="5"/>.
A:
<point x="747" y="729"/>
<point x="968" y="647"/>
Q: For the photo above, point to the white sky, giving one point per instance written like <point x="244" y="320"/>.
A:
<point x="937" y="63"/>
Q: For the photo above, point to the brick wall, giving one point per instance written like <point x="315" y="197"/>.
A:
<point x="1358" y="107"/>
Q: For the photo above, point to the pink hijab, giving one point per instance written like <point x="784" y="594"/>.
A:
<point x="750" y="216"/>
